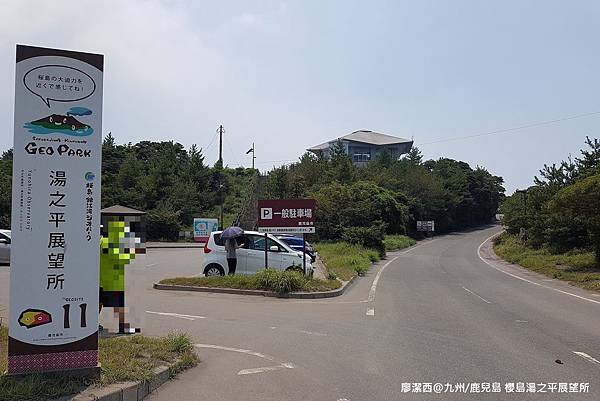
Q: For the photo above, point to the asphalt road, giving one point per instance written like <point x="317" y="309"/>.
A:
<point x="441" y="312"/>
<point x="438" y="314"/>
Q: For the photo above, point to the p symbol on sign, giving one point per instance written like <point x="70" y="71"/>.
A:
<point x="266" y="213"/>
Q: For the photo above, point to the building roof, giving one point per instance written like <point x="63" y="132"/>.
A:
<point x="121" y="210"/>
<point x="365" y="136"/>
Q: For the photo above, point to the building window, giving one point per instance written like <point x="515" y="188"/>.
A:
<point x="361" y="157"/>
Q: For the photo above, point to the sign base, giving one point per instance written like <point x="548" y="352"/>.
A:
<point x="92" y="373"/>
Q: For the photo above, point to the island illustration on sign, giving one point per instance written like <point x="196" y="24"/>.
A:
<point x="64" y="124"/>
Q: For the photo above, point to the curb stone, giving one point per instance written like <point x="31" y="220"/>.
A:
<point x="295" y="295"/>
<point x="127" y="391"/>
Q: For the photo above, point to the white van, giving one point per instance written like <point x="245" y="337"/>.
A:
<point x="251" y="257"/>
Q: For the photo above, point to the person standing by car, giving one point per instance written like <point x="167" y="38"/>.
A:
<point x="231" y="246"/>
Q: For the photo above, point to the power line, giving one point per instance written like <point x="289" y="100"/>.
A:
<point x="508" y="130"/>
<point x="211" y="142"/>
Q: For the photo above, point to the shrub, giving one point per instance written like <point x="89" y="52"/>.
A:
<point x="280" y="282"/>
<point x="346" y="206"/>
<point x="342" y="258"/>
<point x="331" y="276"/>
<point x="395" y="242"/>
<point x="361" y="270"/>
<point x="368" y="237"/>
<point x="162" y="223"/>
<point x="178" y="342"/>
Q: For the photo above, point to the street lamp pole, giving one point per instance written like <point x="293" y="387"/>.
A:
<point x="251" y="150"/>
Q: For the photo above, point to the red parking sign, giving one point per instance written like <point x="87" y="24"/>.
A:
<point x="286" y="216"/>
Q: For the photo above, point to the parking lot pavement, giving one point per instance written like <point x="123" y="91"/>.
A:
<point x="435" y="313"/>
<point x="174" y="245"/>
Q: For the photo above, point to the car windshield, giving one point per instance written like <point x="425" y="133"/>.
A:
<point x="258" y="242"/>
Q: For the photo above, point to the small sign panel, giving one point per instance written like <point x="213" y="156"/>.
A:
<point x="426" y="225"/>
<point x="203" y="227"/>
<point x="294" y="216"/>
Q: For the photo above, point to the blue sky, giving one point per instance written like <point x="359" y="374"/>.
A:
<point x="289" y="75"/>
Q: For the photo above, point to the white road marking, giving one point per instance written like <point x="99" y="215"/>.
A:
<point x="587" y="357"/>
<point x="313" y="333"/>
<point x="186" y="317"/>
<point x="373" y="290"/>
<point x="521" y="321"/>
<point x="286" y="365"/>
<point x="313" y="302"/>
<point x="371" y="297"/>
<point x="265" y="369"/>
<point x="239" y="350"/>
<point x="478" y="296"/>
<point x="151" y="264"/>
<point x="524" y="279"/>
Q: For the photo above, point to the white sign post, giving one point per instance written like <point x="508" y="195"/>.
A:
<point x="55" y="211"/>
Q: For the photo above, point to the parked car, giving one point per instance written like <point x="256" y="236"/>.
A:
<point x="251" y="257"/>
<point x="296" y="243"/>
<point x="5" y="241"/>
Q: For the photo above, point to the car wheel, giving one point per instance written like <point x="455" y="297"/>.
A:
<point x="298" y="269"/>
<point x="213" y="271"/>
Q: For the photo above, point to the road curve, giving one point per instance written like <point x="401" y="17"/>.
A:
<point x="437" y="314"/>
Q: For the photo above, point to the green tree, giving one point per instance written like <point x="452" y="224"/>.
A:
<point x="580" y="200"/>
<point x="414" y="156"/>
<point x="589" y="163"/>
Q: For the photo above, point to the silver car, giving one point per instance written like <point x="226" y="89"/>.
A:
<point x="5" y="246"/>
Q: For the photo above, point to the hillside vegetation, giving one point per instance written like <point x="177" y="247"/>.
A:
<point x="357" y="205"/>
<point x="560" y="213"/>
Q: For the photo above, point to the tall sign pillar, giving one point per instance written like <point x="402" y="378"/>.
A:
<point x="55" y="211"/>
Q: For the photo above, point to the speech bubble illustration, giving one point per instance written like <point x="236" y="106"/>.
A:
<point x="59" y="83"/>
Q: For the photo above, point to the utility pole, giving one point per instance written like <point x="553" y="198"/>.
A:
<point x="221" y="130"/>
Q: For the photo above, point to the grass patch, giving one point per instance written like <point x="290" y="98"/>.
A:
<point x="396" y="242"/>
<point x="346" y="260"/>
<point x="135" y="358"/>
<point x="578" y="267"/>
<point x="238" y="282"/>
<point x="268" y="280"/>
<point x="3" y="348"/>
<point x="131" y="358"/>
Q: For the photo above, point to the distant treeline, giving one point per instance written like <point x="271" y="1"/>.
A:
<point x="172" y="184"/>
<point x="361" y="204"/>
<point x="562" y="210"/>
<point x="358" y="204"/>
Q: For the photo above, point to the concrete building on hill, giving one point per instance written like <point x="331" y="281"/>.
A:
<point x="363" y="146"/>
